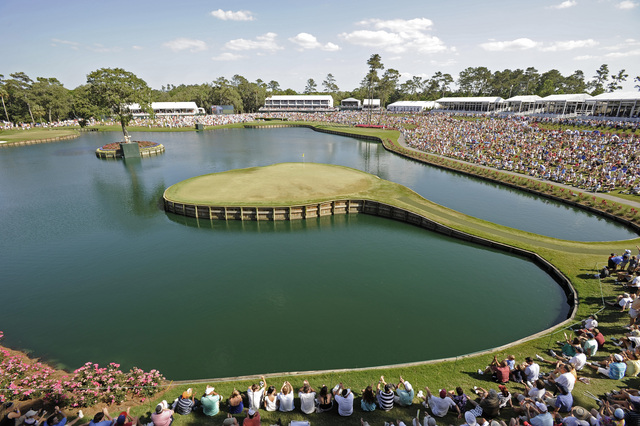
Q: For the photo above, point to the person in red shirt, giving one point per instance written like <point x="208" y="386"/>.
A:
<point x="499" y="370"/>
<point x="252" y="419"/>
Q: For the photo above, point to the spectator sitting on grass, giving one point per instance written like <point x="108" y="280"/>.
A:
<point x="58" y="418"/>
<point x="368" y="401"/>
<point x="252" y="419"/>
<point x="98" y="419"/>
<point x="623" y="301"/>
<point x="185" y="403"/>
<point x="285" y="398"/>
<point x="614" y="367"/>
<point x="325" y="399"/>
<point x="163" y="415"/>
<point x="589" y="345"/>
<point x="255" y="393"/>
<point x="210" y="401"/>
<point x="404" y="396"/>
<point x="488" y="405"/>
<point x="307" y="397"/>
<point x="499" y="370"/>
<point x="344" y="398"/>
<point x="235" y="405"/>
<point x="440" y="405"/>
<point x="385" y="397"/>
<point x="460" y="398"/>
<point x="564" y="375"/>
<point x="538" y="414"/>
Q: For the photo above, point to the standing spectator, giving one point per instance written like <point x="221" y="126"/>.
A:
<point x="344" y="398"/>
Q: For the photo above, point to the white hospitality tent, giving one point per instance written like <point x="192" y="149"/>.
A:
<point x="569" y="104"/>
<point x="522" y="104"/>
<point x="411" y="106"/>
<point x="623" y="104"/>
<point x="167" y="109"/>
<point x="471" y="104"/>
<point x="350" y="103"/>
<point x="371" y="104"/>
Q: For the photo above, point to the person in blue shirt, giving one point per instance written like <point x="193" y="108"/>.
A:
<point x="614" y="368"/>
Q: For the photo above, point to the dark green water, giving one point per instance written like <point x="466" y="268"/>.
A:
<point x="94" y="270"/>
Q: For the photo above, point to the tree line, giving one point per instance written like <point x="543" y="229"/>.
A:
<point x="46" y="99"/>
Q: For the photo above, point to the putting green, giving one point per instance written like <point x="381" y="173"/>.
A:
<point x="279" y="184"/>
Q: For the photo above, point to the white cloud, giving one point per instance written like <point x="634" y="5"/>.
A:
<point x="446" y="63"/>
<point x="264" y="42"/>
<point x="517" y="44"/>
<point x="309" y="41"/>
<point x="72" y="44"/>
<point x="564" y="5"/>
<point x="624" y="54"/>
<point x="560" y="46"/>
<point x="626" y="4"/>
<point x="186" y="44"/>
<point x="99" y="48"/>
<point x="241" y="15"/>
<point x="397" y="36"/>
<point x="584" y="57"/>
<point x="227" y="56"/>
<point x="137" y="47"/>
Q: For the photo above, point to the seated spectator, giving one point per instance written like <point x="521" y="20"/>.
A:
<point x="504" y="396"/>
<point x="230" y="421"/>
<point x="590" y="323"/>
<point x="589" y="345"/>
<point x="614" y="367"/>
<point x="385" y="397"/>
<point x="579" y="417"/>
<point x="163" y="416"/>
<point x="252" y="419"/>
<point x="58" y="418"/>
<point x="538" y="414"/>
<point x="210" y="401"/>
<point x="325" y="399"/>
<point x="125" y="419"/>
<point x="255" y="394"/>
<point x="600" y="339"/>
<point x="285" y="397"/>
<point x="604" y="273"/>
<point x="99" y="419"/>
<point x="404" y="396"/>
<point x="30" y="417"/>
<point x="534" y="393"/>
<point x="499" y="370"/>
<point x="307" y="397"/>
<point x="441" y="404"/>
<point x="271" y="399"/>
<point x="488" y="406"/>
<point x="563" y="400"/>
<point x="235" y="404"/>
<point x="563" y="376"/>
<point x="460" y="398"/>
<point x="368" y="401"/>
<point x="344" y="399"/>
<point x="185" y="403"/>
<point x="531" y="370"/>
<point x="623" y="301"/>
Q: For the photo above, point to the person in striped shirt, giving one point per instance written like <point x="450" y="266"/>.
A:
<point x="385" y="397"/>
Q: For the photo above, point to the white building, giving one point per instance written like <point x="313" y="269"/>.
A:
<point x="299" y="103"/>
<point x="373" y="104"/>
<point x="411" y="106"/>
<point x="569" y="104"/>
<point x="350" y="103"/>
<point x="522" y="104"/>
<point x="161" y="109"/>
<point x="471" y="104"/>
<point x="615" y="104"/>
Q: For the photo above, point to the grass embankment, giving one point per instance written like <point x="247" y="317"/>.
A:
<point x="16" y="135"/>
<point x="576" y="260"/>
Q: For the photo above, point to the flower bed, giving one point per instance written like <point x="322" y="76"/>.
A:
<point x="22" y="379"/>
<point x="116" y="145"/>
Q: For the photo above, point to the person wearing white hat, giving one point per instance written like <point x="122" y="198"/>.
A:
<point x="614" y="368"/>
<point x="210" y="401"/>
<point x="252" y="419"/>
<point x="542" y="416"/>
<point x="404" y="393"/>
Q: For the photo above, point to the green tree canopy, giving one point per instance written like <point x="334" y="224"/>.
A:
<point x="115" y="89"/>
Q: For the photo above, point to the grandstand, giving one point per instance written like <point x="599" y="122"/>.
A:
<point x="298" y="103"/>
<point x="161" y="109"/>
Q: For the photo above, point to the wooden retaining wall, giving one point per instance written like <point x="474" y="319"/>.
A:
<point x="37" y="141"/>
<point x="117" y="153"/>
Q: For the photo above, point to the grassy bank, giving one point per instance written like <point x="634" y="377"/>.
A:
<point x="16" y="135"/>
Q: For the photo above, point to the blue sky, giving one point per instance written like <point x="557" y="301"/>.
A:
<point x="197" y="41"/>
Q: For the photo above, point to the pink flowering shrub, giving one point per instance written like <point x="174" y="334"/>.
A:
<point x="89" y="385"/>
<point x="116" y="145"/>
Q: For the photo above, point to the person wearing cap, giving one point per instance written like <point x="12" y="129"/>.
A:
<point x="28" y="418"/>
<point x="538" y="414"/>
<point x="470" y="419"/>
<point x="255" y="393"/>
<point x="344" y="399"/>
<point x="579" y="417"/>
<point x="385" y="397"/>
<point x="185" y="403"/>
<point x="163" y="415"/>
<point x="307" y="396"/>
<point x="252" y="419"/>
<point x="624" y="301"/>
<point x="590" y="323"/>
<point x="404" y="393"/>
<point x="122" y="418"/>
<point x="614" y="367"/>
<point x="441" y="404"/>
<point x="504" y="396"/>
<point x="210" y="402"/>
